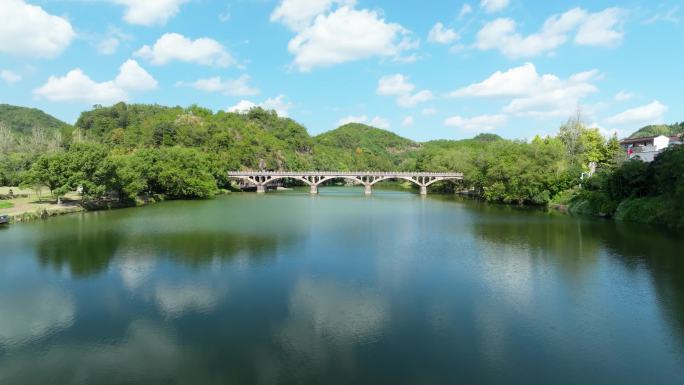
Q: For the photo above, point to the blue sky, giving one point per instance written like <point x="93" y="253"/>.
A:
<point x="423" y="69"/>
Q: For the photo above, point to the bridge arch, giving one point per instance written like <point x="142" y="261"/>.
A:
<point x="299" y="178"/>
<point x="417" y="183"/>
<point x="345" y="177"/>
<point x="443" y="179"/>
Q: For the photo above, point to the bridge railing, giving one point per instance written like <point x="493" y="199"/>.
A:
<point x="344" y="173"/>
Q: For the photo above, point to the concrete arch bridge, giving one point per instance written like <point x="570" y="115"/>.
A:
<point x="261" y="179"/>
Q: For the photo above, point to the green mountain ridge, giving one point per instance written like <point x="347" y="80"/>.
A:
<point x="363" y="146"/>
<point x="101" y="121"/>
<point x="658" y="129"/>
<point x="22" y="120"/>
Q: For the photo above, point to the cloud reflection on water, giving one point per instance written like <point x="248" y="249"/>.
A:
<point x="32" y="313"/>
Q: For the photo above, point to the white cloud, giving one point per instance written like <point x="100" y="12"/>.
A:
<point x="346" y="35"/>
<point x="150" y="12"/>
<point x="10" y="77"/>
<point x="380" y="122"/>
<point x="602" y="29"/>
<point x="608" y="132"/>
<point x="535" y="95"/>
<point x="279" y="104"/>
<point x="491" y="6"/>
<point x="27" y="30"/>
<point x="174" y="46"/>
<point x="596" y="29"/>
<point x="394" y="85"/>
<point x="111" y="41"/>
<point x="441" y="35"/>
<point x="363" y="119"/>
<point x="76" y="86"/>
<point x="429" y="111"/>
<point x="108" y="46"/>
<point x="231" y="87"/>
<point x="408" y="121"/>
<point x="647" y="114"/>
<point x="623" y="95"/>
<point x="132" y="77"/>
<point x="480" y="123"/>
<point x="522" y="80"/>
<point x="298" y="14"/>
<point x="412" y="100"/>
<point x="224" y="16"/>
<point x="667" y="15"/>
<point x="465" y="10"/>
<point x="398" y="85"/>
<point x="242" y="107"/>
<point x="352" y="119"/>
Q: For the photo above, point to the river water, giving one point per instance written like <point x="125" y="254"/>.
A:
<point x="339" y="288"/>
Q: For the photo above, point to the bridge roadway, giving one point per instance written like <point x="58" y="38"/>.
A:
<point x="261" y="179"/>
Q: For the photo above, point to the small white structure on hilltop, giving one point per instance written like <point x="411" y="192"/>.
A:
<point x="647" y="148"/>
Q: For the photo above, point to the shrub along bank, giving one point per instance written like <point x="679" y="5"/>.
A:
<point x="638" y="192"/>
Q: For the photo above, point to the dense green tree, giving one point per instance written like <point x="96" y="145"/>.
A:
<point x="51" y="170"/>
<point x="184" y="173"/>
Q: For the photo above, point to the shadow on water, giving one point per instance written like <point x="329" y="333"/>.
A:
<point x="576" y="244"/>
<point x="87" y="244"/>
<point x="199" y="248"/>
<point x="85" y="252"/>
<point x="91" y="253"/>
<point x="661" y="253"/>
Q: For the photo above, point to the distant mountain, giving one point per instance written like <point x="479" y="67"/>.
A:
<point x="364" y="147"/>
<point x="487" y="138"/>
<point x="23" y="119"/>
<point x="659" y="129"/>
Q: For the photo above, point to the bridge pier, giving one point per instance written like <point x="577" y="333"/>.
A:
<point x="423" y="190"/>
<point x="368" y="189"/>
<point x="261" y="188"/>
<point x="314" y="189"/>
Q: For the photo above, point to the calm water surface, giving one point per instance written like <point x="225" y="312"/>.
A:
<point x="339" y="289"/>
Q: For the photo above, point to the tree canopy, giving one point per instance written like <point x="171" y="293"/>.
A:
<point x="129" y="150"/>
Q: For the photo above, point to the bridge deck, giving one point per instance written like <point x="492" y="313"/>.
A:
<point x="347" y="173"/>
<point x="368" y="178"/>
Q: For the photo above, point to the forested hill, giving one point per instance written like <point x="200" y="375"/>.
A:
<point x="358" y="146"/>
<point x="21" y="120"/>
<point x="659" y="129"/>
<point x="244" y="140"/>
<point x="239" y="140"/>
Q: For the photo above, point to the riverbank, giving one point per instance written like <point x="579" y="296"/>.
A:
<point x="29" y="205"/>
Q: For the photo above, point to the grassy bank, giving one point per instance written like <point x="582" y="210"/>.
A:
<point x="28" y="205"/>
